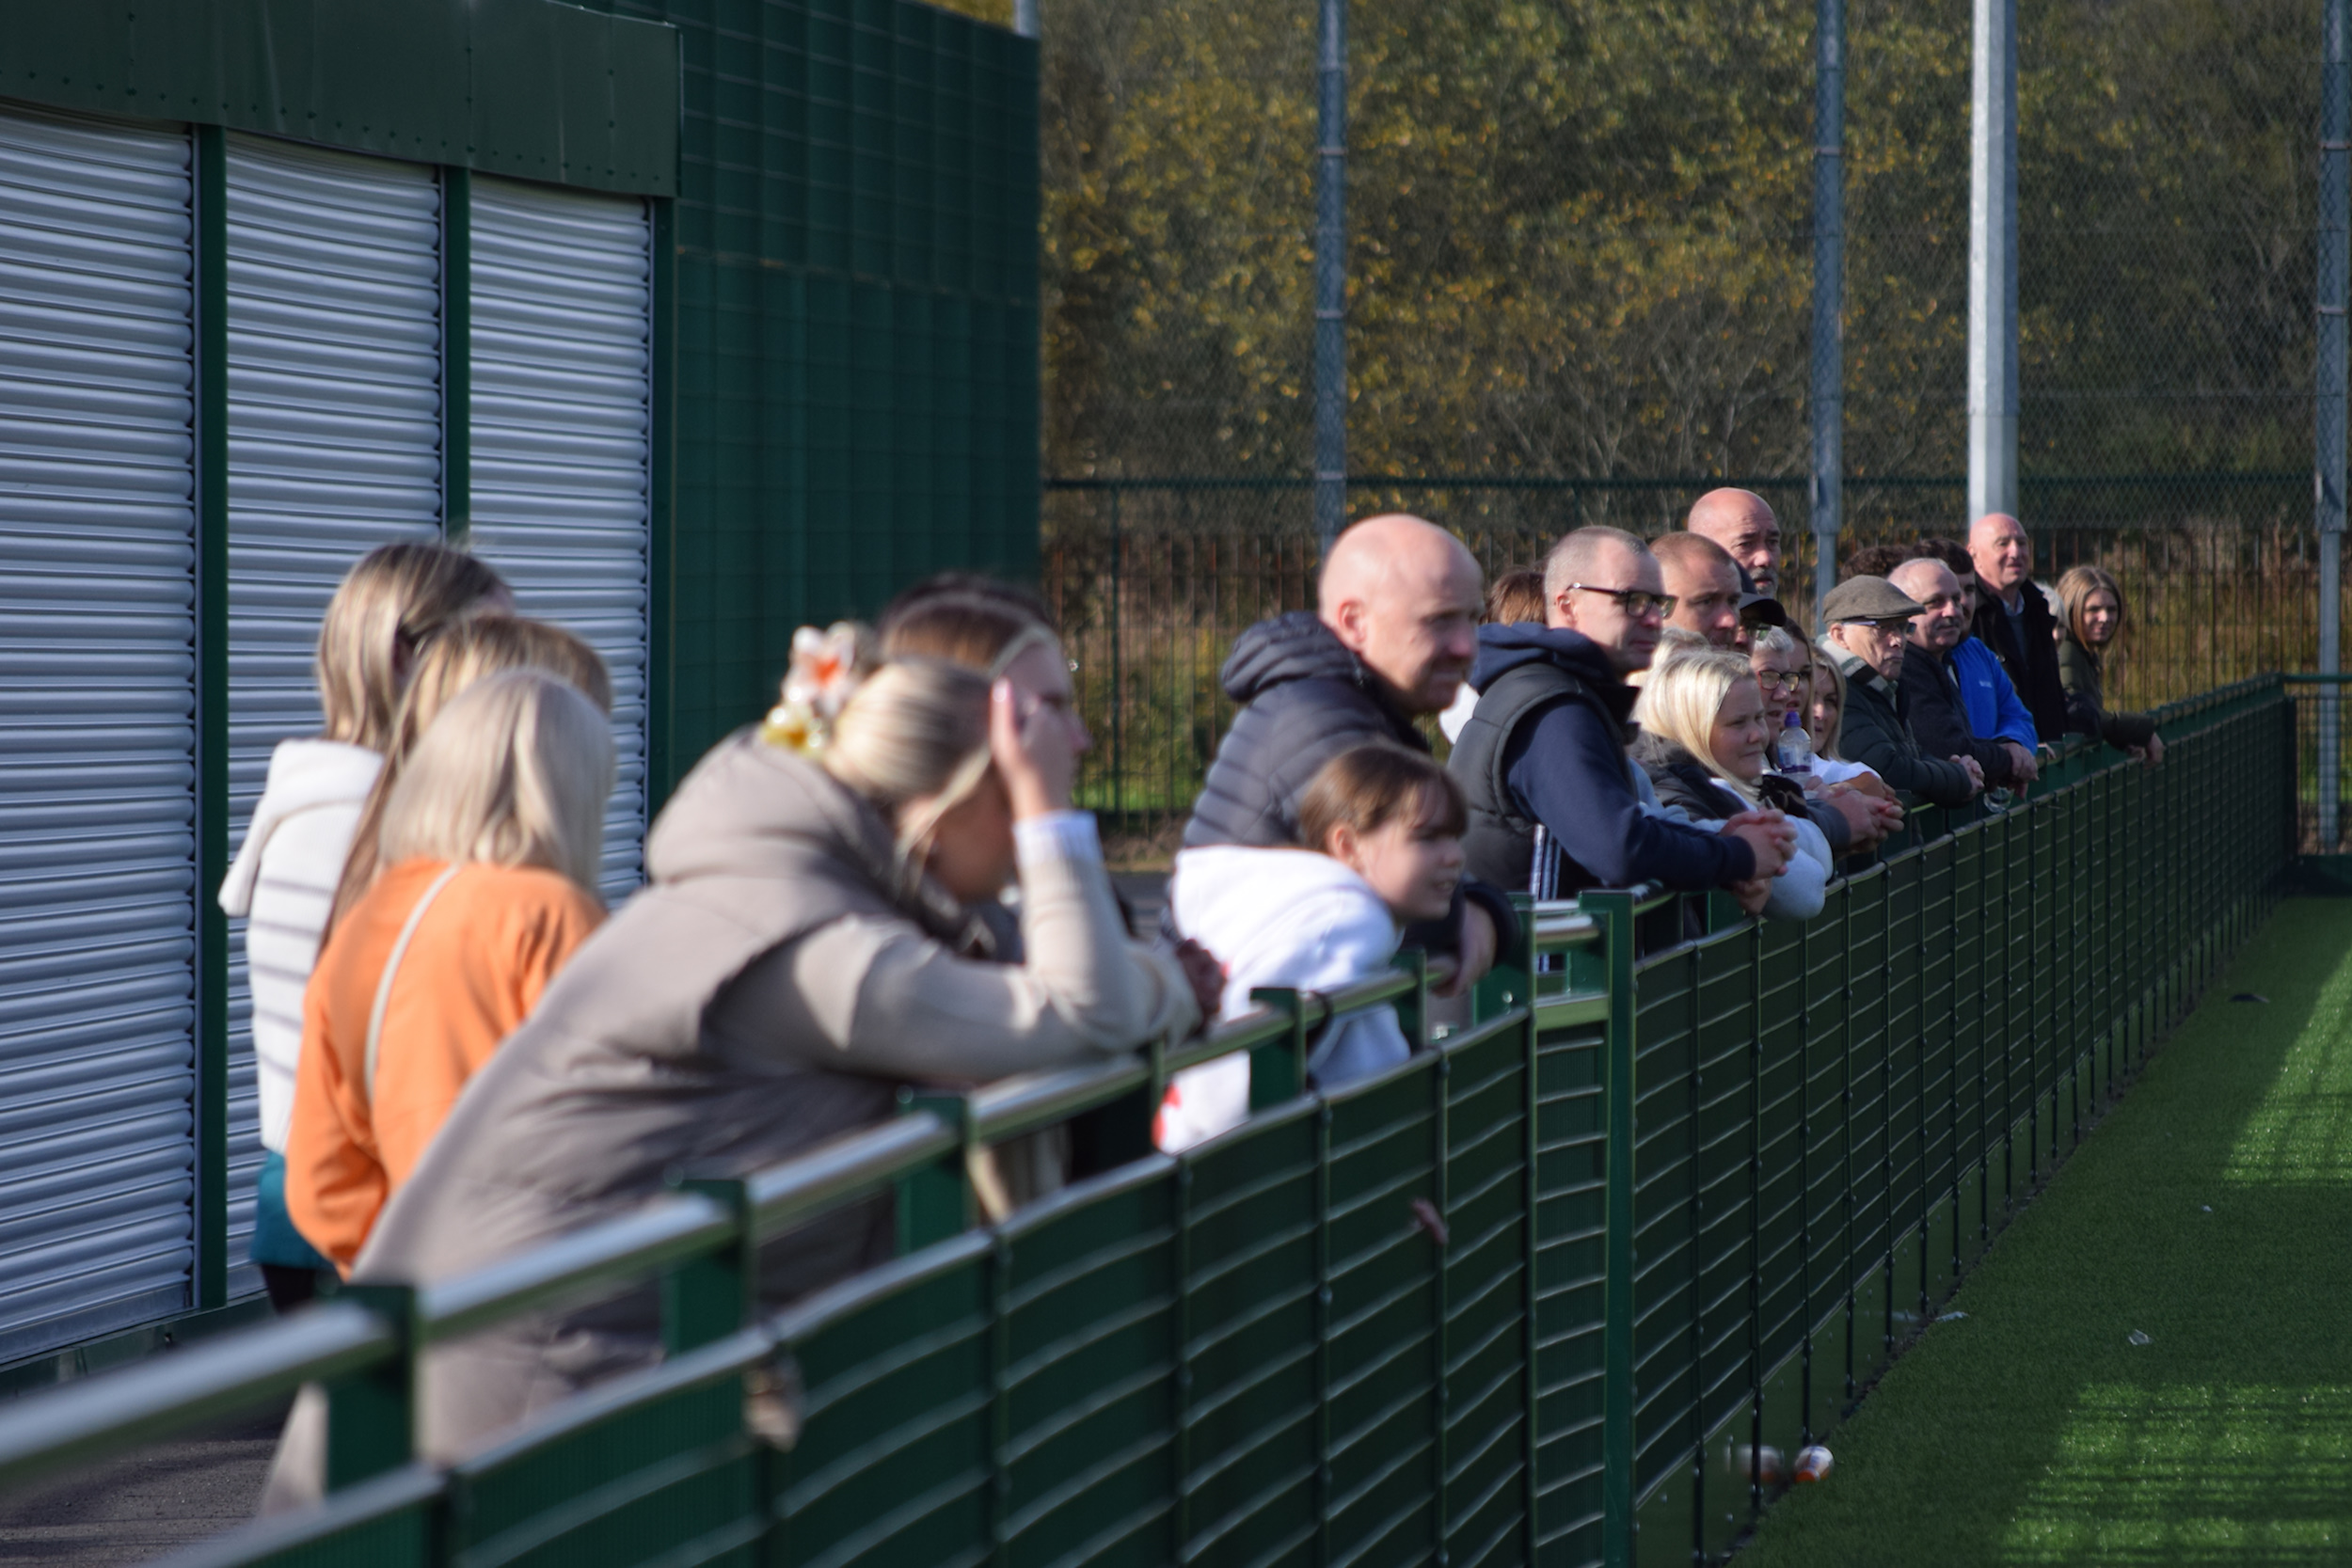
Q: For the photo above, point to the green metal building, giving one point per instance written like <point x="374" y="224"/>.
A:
<point x="699" y="321"/>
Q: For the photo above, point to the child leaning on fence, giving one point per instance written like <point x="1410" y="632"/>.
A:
<point x="1385" y="825"/>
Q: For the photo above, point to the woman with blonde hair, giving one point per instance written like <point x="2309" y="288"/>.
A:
<point x="797" y="955"/>
<point x="2091" y="618"/>
<point x="1704" y="744"/>
<point x="382" y="619"/>
<point x="490" y="844"/>
<point x="477" y="646"/>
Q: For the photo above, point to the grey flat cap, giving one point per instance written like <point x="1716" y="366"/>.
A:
<point x="1868" y="599"/>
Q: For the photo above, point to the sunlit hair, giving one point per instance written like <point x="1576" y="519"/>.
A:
<point x="387" y="608"/>
<point x="1578" y="551"/>
<point x="914" y="740"/>
<point x="1951" y="552"/>
<point x="1772" y="640"/>
<point x="2074" y="590"/>
<point x="1016" y="597"/>
<point x="1683" y="698"/>
<point x="1673" y="644"/>
<point x="514" y="771"/>
<point x="977" y="631"/>
<point x="1516" y="597"/>
<point x="1366" y="787"/>
<point x="475" y="647"/>
<point x="1828" y="681"/>
<point x="1691" y="551"/>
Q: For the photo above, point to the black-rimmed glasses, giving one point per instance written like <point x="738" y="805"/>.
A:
<point x="1636" y="602"/>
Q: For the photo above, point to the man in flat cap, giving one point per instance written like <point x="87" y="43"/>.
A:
<point x="1868" y="619"/>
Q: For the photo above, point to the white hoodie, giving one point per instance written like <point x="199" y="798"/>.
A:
<point x="1279" y="917"/>
<point x="283" y="881"/>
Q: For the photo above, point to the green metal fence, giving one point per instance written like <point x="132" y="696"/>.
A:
<point x="1542" y="1294"/>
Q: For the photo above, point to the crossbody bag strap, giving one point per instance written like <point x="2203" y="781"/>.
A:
<point x="391" y="967"/>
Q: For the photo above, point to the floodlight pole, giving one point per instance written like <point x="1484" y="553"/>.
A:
<point x="1992" y="262"/>
<point x="1025" y="18"/>
<point x="1330" y="480"/>
<point x="2335" y="260"/>
<point x="1828" y="399"/>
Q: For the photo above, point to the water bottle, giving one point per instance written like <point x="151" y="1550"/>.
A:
<point x="1794" y="751"/>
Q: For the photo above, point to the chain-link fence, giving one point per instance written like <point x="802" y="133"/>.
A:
<point x="1579" y="291"/>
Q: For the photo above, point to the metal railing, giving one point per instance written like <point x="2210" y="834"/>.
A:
<point x="1570" y="1277"/>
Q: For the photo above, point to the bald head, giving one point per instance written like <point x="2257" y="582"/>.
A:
<point x="1704" y="582"/>
<point x="1603" y="583"/>
<point x="1933" y="585"/>
<point x="1405" y="597"/>
<point x="1740" y="522"/>
<point x="2003" y="556"/>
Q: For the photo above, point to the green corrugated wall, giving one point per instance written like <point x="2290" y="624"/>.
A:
<point x="856" y="328"/>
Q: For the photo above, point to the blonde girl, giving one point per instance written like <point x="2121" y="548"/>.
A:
<point x="489" y="846"/>
<point x="383" y="617"/>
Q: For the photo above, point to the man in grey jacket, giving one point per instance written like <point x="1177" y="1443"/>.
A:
<point x="1867" y="618"/>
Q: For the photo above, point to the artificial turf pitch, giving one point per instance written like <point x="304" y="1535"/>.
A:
<point x="2211" y="1213"/>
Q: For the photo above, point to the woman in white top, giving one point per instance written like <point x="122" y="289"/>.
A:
<point x="283" y="880"/>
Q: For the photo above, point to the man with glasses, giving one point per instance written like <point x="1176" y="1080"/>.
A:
<point x="1546" y="747"/>
<point x="1870" y="621"/>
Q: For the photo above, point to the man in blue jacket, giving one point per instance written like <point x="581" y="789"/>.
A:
<point x="1547" y="745"/>
<point x="1994" y="709"/>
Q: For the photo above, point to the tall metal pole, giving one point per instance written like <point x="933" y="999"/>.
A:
<point x="1024" y="19"/>
<point x="1992" y="262"/>
<point x="2327" y="458"/>
<point x="1330" y="484"/>
<point x="1828" y="290"/>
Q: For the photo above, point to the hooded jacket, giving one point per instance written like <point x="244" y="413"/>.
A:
<point x="1547" y="745"/>
<point x="769" y="988"/>
<point x="1937" y="711"/>
<point x="1304" y="699"/>
<point x="1991" y="699"/>
<point x="1875" y="731"/>
<point x="1280" y="917"/>
<point x="282" y="882"/>
<point x="2033" y="669"/>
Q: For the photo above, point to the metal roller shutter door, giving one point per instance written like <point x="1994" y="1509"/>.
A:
<point x="333" y="448"/>
<point x="97" y="730"/>
<point x="562" y="305"/>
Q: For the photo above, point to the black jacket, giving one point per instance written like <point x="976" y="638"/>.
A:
<point x="1305" y="698"/>
<point x="1875" y="732"/>
<point x="1938" y="716"/>
<point x="2033" y="670"/>
<point x="1683" y="780"/>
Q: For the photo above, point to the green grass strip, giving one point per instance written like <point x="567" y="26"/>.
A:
<point x="2212" y="1212"/>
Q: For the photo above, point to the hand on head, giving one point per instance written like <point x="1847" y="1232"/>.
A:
<point x="1035" y="747"/>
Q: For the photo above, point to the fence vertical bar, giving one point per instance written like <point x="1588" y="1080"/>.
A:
<point x="372" y="1414"/>
<point x="1330" y="493"/>
<point x="1614" y="913"/>
<point x="1828" y="399"/>
<point x="2335" y="264"/>
<point x="209" y="1288"/>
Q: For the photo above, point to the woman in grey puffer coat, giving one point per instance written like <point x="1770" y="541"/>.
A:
<point x="793" y="959"/>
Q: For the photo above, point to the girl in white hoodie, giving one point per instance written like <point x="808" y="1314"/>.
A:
<point x="387" y="609"/>
<point x="1384" y="829"/>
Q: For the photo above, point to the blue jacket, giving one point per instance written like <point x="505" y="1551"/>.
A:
<point x="1994" y="708"/>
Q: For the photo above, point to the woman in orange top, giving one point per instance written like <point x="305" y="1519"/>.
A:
<point x="489" y="844"/>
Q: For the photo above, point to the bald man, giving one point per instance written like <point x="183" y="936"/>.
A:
<point x="1705" y="582"/>
<point x="2014" y="620"/>
<point x="1745" y="527"/>
<point x="1933" y="702"/>
<point x="1391" y="636"/>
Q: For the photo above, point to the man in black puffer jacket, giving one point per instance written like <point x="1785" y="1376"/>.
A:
<point x="1394" y="634"/>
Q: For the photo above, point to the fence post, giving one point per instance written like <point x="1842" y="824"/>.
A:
<point x="2328" y="455"/>
<point x="1330" y="493"/>
<point x="711" y="1297"/>
<point x="1828" y="397"/>
<point x="372" y="1414"/>
<point x="1614" y="913"/>
<point x="1992" y="262"/>
<point x="935" y="1202"/>
<point x="1277" y="1069"/>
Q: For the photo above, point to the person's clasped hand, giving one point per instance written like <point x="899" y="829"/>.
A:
<point x="1035" y="750"/>
<point x="1768" y="834"/>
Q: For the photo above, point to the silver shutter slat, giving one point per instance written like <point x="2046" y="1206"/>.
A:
<point x="97" y="729"/>
<point x="562" y="391"/>
<point x="333" y="448"/>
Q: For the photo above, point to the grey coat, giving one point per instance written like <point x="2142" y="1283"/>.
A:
<point x="767" y="991"/>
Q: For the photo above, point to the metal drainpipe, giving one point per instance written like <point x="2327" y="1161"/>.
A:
<point x="2335" y="131"/>
<point x="1992" y="262"/>
<point x="1330" y="483"/>
<point x="1829" y="293"/>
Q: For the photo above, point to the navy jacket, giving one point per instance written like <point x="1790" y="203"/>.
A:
<point x="1562" y="762"/>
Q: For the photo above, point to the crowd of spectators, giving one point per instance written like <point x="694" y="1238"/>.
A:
<point x="887" y="881"/>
